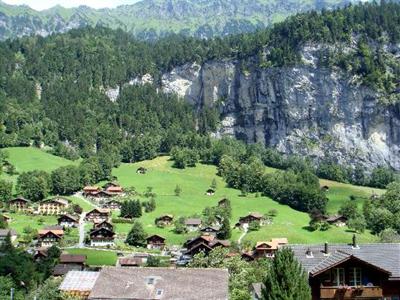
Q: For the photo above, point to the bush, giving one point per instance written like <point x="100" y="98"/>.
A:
<point x="254" y="226"/>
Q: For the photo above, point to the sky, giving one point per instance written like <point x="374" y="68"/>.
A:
<point x="44" y="4"/>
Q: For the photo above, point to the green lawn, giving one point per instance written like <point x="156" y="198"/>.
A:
<point x="96" y="257"/>
<point x="19" y="221"/>
<point x="86" y="206"/>
<point x="194" y="182"/>
<point x="29" y="159"/>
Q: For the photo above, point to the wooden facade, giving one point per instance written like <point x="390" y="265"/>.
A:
<point x="155" y="242"/>
<point x="54" y="206"/>
<point x="19" y="204"/>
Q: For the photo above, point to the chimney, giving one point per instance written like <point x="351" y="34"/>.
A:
<point x="309" y="253"/>
<point x="326" y="248"/>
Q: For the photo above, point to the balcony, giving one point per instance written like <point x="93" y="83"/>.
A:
<point x="342" y="293"/>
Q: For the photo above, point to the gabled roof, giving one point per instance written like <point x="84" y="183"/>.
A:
<point x="59" y="200"/>
<point x="19" y="199"/>
<point x="335" y="218"/>
<point x="94" y="231"/>
<point x="56" y="233"/>
<point x="71" y="218"/>
<point x="384" y="257"/>
<point x="99" y="210"/>
<point x="155" y="236"/>
<point x="101" y="224"/>
<point x="255" y="215"/>
<point x="144" y="283"/>
<point x="5" y="232"/>
<point x="114" y="189"/>
<point x="193" y="221"/>
<point x="165" y="216"/>
<point x="54" y="228"/>
<point x="72" y="258"/>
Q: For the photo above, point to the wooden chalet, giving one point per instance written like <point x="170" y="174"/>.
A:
<point x="112" y="205"/>
<point x="68" y="221"/>
<point x="90" y="190"/>
<point x="211" y="230"/>
<point x="337" y="220"/>
<point x="155" y="242"/>
<point x="104" y="224"/>
<point x="101" y="237"/>
<point x="40" y="254"/>
<point x="115" y="190"/>
<point x="210" y="192"/>
<point x="54" y="206"/>
<point x="193" y="224"/>
<point x="268" y="249"/>
<point x="141" y="170"/>
<point x="223" y="202"/>
<point x="204" y="243"/>
<point x="19" y="204"/>
<point x="111" y="184"/>
<point x="98" y="215"/>
<point x="351" y="271"/>
<point x="165" y="220"/>
<point x="48" y="238"/>
<point x="102" y="195"/>
<point x="69" y="262"/>
<point x="252" y="217"/>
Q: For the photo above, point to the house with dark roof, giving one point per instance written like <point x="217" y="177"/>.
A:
<point x="223" y="202"/>
<point x="160" y="283"/>
<point x="104" y="224"/>
<point x="98" y="215"/>
<point x="141" y="170"/>
<point x="112" y="204"/>
<point x="101" y="237"/>
<point x="165" y="220"/>
<point x="155" y="242"/>
<point x="251" y="217"/>
<point x="48" y="238"/>
<point x="68" y="221"/>
<point x="351" y="271"/>
<point x="264" y="249"/>
<point x="19" y="204"/>
<point x="210" y="192"/>
<point x="337" y="220"/>
<point x="192" y="224"/>
<point x="69" y="262"/>
<point x="90" y="190"/>
<point x="211" y="230"/>
<point x="204" y="243"/>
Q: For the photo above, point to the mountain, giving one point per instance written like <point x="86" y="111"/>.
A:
<point x="150" y="19"/>
<point x="322" y="85"/>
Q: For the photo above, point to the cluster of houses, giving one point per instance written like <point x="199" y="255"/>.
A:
<point x="110" y="190"/>
<point x="102" y="233"/>
<point x="53" y="206"/>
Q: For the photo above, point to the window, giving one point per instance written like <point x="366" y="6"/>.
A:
<point x="355" y="276"/>
<point x="338" y="276"/>
<point x="150" y="280"/>
<point x="159" y="292"/>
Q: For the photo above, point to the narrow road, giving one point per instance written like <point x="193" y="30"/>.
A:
<point x="81" y="243"/>
<point x="245" y="228"/>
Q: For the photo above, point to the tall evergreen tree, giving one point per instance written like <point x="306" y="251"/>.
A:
<point x="137" y="236"/>
<point x="286" y="279"/>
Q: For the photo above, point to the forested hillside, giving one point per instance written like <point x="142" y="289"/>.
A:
<point x="151" y="19"/>
<point x="55" y="91"/>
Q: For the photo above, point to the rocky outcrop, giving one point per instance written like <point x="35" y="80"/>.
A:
<point x="305" y="110"/>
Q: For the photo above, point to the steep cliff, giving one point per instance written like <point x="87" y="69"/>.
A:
<point x="306" y="110"/>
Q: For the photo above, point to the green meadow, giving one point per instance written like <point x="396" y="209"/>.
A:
<point x="96" y="257"/>
<point x="194" y="182"/>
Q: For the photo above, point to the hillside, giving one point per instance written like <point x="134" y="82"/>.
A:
<point x="194" y="182"/>
<point x="150" y="19"/>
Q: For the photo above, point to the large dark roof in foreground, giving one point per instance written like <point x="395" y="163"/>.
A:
<point x="384" y="256"/>
<point x="177" y="284"/>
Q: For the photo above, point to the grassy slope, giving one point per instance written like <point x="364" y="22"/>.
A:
<point x="29" y="159"/>
<point x="194" y="181"/>
<point x="96" y="257"/>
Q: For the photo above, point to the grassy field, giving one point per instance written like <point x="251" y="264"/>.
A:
<point x="194" y="182"/>
<point x="96" y="257"/>
<point x="19" y="221"/>
<point x="29" y="159"/>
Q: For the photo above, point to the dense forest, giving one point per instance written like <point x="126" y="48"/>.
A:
<point x="52" y="90"/>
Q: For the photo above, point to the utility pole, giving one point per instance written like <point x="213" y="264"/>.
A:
<point x="12" y="293"/>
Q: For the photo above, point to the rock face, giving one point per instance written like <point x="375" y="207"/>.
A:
<point x="306" y="110"/>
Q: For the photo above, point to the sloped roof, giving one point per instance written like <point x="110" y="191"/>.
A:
<point x="19" y="199"/>
<point x="79" y="281"/>
<point x="4" y="232"/>
<point x="183" y="283"/>
<point x="155" y="236"/>
<point x="72" y="258"/>
<point x="72" y="218"/>
<point x="58" y="233"/>
<point x="383" y="256"/>
<point x="193" y="221"/>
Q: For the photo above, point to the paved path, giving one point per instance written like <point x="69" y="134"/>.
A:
<point x="81" y="243"/>
<point x="245" y="228"/>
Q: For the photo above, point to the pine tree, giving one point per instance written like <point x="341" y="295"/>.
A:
<point x="137" y="236"/>
<point x="225" y="231"/>
<point x="286" y="279"/>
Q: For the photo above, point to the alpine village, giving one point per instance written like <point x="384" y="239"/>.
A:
<point x="200" y="150"/>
